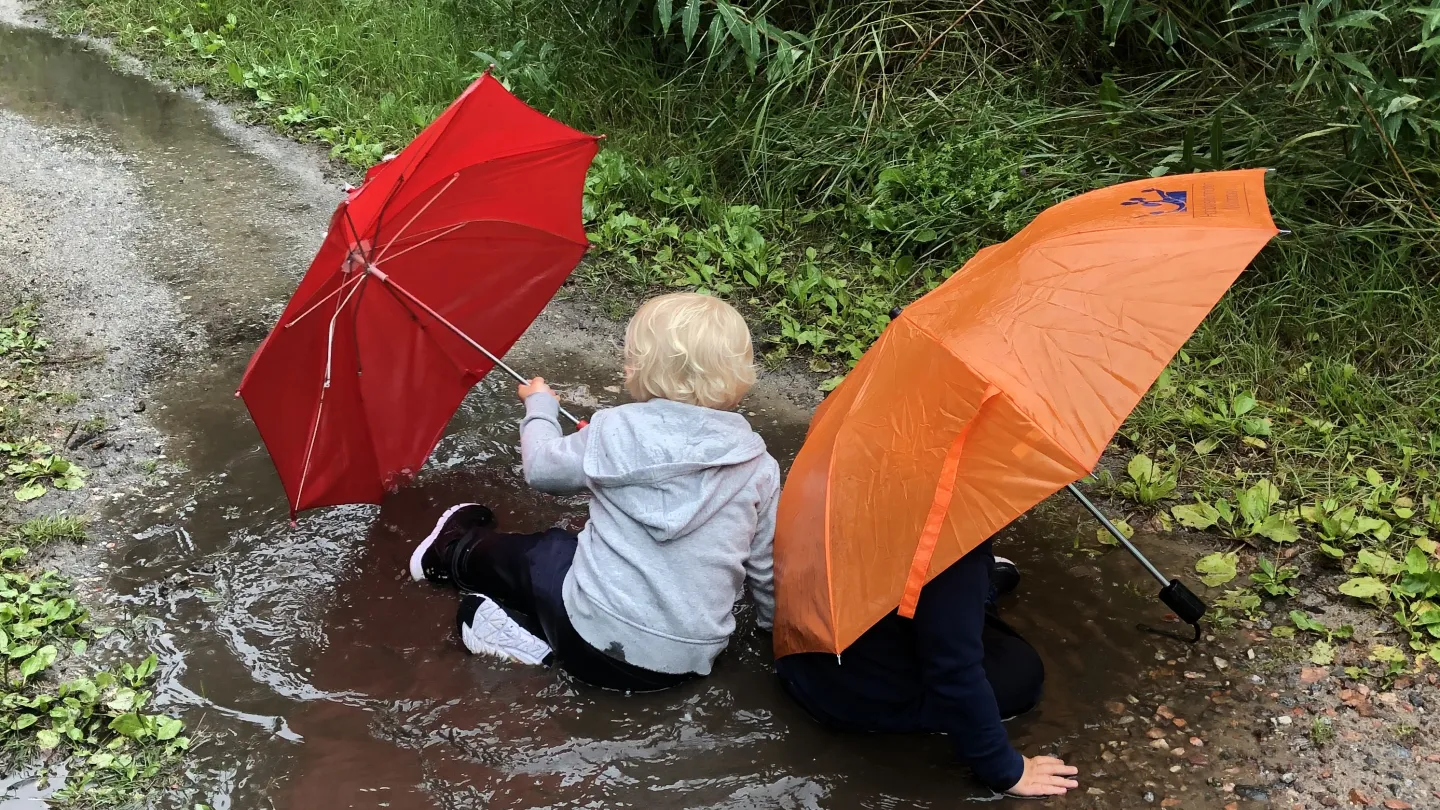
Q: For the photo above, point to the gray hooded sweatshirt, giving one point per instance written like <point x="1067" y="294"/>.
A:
<point x="682" y="516"/>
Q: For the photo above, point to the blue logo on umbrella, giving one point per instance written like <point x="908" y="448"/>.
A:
<point x="1169" y="202"/>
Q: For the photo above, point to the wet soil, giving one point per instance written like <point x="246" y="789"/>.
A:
<point x="319" y="676"/>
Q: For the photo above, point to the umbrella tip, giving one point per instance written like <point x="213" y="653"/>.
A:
<point x="602" y="136"/>
<point x="294" y="524"/>
<point x="237" y="394"/>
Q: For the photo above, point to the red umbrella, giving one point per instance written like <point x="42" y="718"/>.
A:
<point x="431" y="270"/>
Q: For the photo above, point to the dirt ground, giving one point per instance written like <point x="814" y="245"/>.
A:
<point x="140" y="246"/>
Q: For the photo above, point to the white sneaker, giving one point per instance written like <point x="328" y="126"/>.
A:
<point x="486" y="629"/>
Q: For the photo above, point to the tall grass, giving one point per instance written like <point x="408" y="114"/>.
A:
<point x="820" y="162"/>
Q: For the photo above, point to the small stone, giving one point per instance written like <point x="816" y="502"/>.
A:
<point x="1221" y="663"/>
<point x="1174" y="768"/>
<point x="1283" y="720"/>
<point x="1357" y="797"/>
<point x="1164" y="711"/>
<point x="1160" y="744"/>
<point x="1094" y="791"/>
<point x="1177" y="752"/>
<point x="1313" y="674"/>
<point x="1228" y="787"/>
<point x="1288" y="778"/>
<point x="1156" y="734"/>
<point x="1179" y="722"/>
<point x="1197" y="742"/>
<point x="1170" y="801"/>
<point x="1116" y="707"/>
<point x="1232" y="806"/>
<point x="1397" y="804"/>
<point x="1149" y="797"/>
<point x="1329" y="801"/>
<point x="1193" y="676"/>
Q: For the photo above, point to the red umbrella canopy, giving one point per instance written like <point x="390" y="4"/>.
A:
<point x="466" y="233"/>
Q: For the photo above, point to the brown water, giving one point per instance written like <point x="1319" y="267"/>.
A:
<point x="319" y="676"/>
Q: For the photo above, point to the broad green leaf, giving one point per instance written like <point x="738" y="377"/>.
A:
<point x="1331" y="551"/>
<point x="690" y="22"/>
<point x="1255" y="502"/>
<point x="1380" y="565"/>
<point x="1106" y="538"/>
<point x="1218" y="568"/>
<point x="123" y="701"/>
<point x="1282" y="631"/>
<point x="1427" y="545"/>
<point x="1142" y="470"/>
<point x="166" y="728"/>
<point x="101" y="760"/>
<point x="1363" y="18"/>
<point x="665" y="9"/>
<point x="1278" y="529"/>
<point x="1373" y="476"/>
<point x="29" y="492"/>
<point x="1366" y="588"/>
<point x="1354" y="65"/>
<point x="1322" y="652"/>
<point x="1375" y="527"/>
<point x="1303" y="621"/>
<point x="47" y="739"/>
<point x="1206" y="446"/>
<point x="146" y="667"/>
<point x="130" y="725"/>
<point x="1386" y="654"/>
<point x="1417" y="561"/>
<point x="1243" y="404"/>
<point x="1256" y="427"/>
<point x="24" y="721"/>
<point x="43" y="657"/>
<point x="1199" y="515"/>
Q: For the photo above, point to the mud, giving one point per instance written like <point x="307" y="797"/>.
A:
<point x="318" y="675"/>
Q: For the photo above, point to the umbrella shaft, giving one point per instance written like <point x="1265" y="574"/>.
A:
<point x="385" y="279"/>
<point x="1117" y="534"/>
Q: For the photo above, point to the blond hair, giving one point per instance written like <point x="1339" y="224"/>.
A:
<point x="689" y="348"/>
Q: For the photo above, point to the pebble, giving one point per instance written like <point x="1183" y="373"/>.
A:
<point x="1288" y="778"/>
<point x="1221" y="663"/>
<point x="1284" y="720"/>
<point x="1149" y="797"/>
<point x="1160" y="744"/>
<point x="1094" y="791"/>
<point x="1197" y="742"/>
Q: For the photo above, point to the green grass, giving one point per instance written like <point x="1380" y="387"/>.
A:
<point x="820" y="163"/>
<point x="36" y="533"/>
<point x="92" y="726"/>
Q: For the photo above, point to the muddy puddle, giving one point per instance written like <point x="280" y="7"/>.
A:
<point x="318" y="676"/>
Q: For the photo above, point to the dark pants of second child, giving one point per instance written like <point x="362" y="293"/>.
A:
<point x="1012" y="667"/>
<point x="525" y="573"/>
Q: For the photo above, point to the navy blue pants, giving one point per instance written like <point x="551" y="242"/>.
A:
<point x="524" y="573"/>
<point x="1012" y="667"/>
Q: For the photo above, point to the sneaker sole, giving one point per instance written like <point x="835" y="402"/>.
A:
<point x="492" y="632"/>
<point x="417" y="570"/>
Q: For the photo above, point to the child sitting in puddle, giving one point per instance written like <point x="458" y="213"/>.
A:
<point x="682" y="514"/>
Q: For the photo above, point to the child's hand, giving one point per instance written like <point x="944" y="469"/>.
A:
<point x="535" y="386"/>
<point x="1044" y="776"/>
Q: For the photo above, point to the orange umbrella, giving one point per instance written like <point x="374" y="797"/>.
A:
<point x="998" y="388"/>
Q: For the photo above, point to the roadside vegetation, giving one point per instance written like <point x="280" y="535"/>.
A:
<point x="83" y="728"/>
<point x="821" y="162"/>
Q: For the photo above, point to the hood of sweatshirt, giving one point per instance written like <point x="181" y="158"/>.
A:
<point x="669" y="465"/>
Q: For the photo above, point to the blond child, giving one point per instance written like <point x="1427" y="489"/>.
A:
<point x="682" y="514"/>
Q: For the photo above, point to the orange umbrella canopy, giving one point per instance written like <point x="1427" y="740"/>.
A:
<point x="997" y="388"/>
